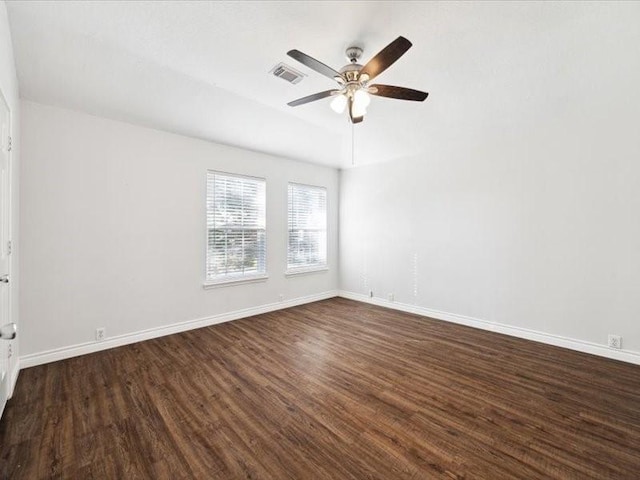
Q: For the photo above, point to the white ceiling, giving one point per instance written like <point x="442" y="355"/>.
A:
<point x="201" y="69"/>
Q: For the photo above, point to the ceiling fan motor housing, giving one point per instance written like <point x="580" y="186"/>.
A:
<point x="351" y="72"/>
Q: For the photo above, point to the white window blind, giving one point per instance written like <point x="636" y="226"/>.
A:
<point x="307" y="246"/>
<point x="236" y="237"/>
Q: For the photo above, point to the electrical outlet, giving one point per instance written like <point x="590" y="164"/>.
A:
<point x="101" y="333"/>
<point x="281" y="297"/>
<point x="391" y="297"/>
<point x="10" y="351"/>
<point x="370" y="293"/>
<point x="615" y="341"/>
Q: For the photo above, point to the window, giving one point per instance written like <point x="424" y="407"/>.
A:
<point x="236" y="237"/>
<point x="307" y="248"/>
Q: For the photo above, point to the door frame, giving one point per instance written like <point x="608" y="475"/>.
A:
<point x="13" y="363"/>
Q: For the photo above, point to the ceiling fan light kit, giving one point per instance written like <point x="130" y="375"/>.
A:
<point x="355" y="89"/>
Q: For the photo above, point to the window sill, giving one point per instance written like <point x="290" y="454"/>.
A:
<point x="307" y="270"/>
<point x="235" y="281"/>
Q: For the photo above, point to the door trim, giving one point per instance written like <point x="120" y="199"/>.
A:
<point x="14" y="362"/>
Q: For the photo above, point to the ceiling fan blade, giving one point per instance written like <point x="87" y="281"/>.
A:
<point x="353" y="119"/>
<point x="313" y="64"/>
<point x="312" y="98"/>
<point x="387" y="56"/>
<point x="400" y="93"/>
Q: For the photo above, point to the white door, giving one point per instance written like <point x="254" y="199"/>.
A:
<point x="7" y="330"/>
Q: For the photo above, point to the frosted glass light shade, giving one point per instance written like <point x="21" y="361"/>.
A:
<point x="361" y="101"/>
<point x="339" y="103"/>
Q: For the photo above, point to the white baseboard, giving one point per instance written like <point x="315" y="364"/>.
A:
<point x="556" y="340"/>
<point x="40" y="358"/>
<point x="90" y="347"/>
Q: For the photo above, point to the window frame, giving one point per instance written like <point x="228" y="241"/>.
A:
<point x="238" y="279"/>
<point x="308" y="269"/>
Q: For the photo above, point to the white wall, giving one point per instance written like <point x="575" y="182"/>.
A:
<point x="530" y="219"/>
<point x="113" y="232"/>
<point x="523" y="213"/>
<point x="9" y="87"/>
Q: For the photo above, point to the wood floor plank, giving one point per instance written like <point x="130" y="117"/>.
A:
<point x="333" y="389"/>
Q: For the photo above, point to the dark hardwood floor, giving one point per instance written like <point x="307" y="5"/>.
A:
<point x="330" y="390"/>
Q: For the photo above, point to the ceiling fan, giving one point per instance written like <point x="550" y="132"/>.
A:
<point x="354" y="80"/>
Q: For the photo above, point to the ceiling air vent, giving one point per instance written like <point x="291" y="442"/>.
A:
<point x="287" y="73"/>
